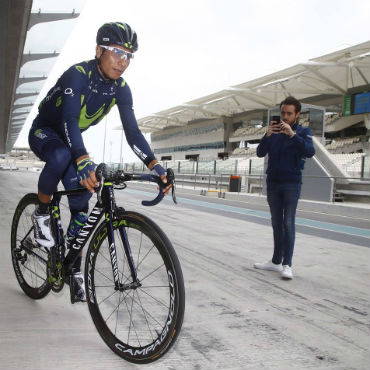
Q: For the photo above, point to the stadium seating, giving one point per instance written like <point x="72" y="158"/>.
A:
<point x="249" y="131"/>
<point x="244" y="151"/>
<point x="346" y="144"/>
<point x="331" y="118"/>
<point x="350" y="162"/>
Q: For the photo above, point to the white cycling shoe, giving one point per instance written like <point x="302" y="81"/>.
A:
<point x="76" y="284"/>
<point x="42" y="232"/>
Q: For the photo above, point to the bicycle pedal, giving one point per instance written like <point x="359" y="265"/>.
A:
<point x="74" y="298"/>
<point x="69" y="281"/>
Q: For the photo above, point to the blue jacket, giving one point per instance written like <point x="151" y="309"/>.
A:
<point x="286" y="156"/>
<point x="80" y="99"/>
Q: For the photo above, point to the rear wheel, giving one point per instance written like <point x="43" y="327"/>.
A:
<point x="29" y="259"/>
<point x="138" y="322"/>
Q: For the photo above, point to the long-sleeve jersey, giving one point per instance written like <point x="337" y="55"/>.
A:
<point x="80" y="99"/>
<point x="286" y="156"/>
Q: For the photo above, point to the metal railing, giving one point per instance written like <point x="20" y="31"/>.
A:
<point x="253" y="183"/>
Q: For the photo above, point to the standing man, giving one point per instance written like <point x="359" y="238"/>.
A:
<point x="288" y="145"/>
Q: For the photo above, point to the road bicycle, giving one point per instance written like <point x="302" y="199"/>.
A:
<point x="133" y="278"/>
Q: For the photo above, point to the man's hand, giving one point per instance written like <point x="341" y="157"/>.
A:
<point x="286" y="129"/>
<point x="161" y="172"/>
<point x="274" y="128"/>
<point x="86" y="173"/>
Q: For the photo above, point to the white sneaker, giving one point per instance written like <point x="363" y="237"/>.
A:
<point x="42" y="232"/>
<point x="269" y="265"/>
<point x="287" y="272"/>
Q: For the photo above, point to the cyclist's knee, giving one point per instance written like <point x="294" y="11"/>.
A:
<point x="58" y="154"/>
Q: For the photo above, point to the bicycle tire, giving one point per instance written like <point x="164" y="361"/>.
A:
<point x="30" y="270"/>
<point x="163" y="323"/>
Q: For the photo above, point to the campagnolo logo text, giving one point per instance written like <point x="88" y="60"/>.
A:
<point x="160" y="339"/>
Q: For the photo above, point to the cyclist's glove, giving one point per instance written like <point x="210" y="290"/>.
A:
<point x="84" y="167"/>
<point x="158" y="170"/>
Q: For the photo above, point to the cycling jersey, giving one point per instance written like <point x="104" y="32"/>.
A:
<point x="80" y="99"/>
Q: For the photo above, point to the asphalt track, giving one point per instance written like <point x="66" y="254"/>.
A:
<point x="236" y="317"/>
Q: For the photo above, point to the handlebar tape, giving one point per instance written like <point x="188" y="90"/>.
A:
<point x="159" y="197"/>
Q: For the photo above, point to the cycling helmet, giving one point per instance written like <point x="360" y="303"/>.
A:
<point x="117" y="33"/>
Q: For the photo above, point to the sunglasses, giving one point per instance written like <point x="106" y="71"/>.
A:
<point x="119" y="53"/>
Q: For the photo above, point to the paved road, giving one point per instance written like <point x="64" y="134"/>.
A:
<point x="236" y="317"/>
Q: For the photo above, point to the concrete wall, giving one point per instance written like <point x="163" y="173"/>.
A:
<point x="316" y="183"/>
<point x="14" y="15"/>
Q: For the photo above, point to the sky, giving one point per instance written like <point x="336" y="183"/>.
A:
<point x="189" y="49"/>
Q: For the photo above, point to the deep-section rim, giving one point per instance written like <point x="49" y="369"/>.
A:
<point x="154" y="350"/>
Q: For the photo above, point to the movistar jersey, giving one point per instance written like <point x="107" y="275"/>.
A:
<point x="80" y="99"/>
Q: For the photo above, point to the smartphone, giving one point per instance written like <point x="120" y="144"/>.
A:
<point x="276" y="119"/>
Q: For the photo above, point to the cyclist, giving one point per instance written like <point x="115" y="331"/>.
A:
<point x="82" y="96"/>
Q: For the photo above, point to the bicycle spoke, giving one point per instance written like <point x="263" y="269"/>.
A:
<point x="138" y="265"/>
<point x="119" y="304"/>
<point x="110" y="279"/>
<point x="153" y="286"/>
<point x="131" y="322"/>
<point x="106" y="320"/>
<point x="102" y="301"/>
<point x="145" y="316"/>
<point x="152" y="272"/>
<point x="157" y="300"/>
<point x="149" y="314"/>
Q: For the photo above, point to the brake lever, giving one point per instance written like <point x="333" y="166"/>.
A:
<point x="171" y="180"/>
<point x="99" y="189"/>
<point x="173" y="193"/>
<point x="100" y="177"/>
<point x="156" y="179"/>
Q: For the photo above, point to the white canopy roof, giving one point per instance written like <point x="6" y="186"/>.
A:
<point x="331" y="74"/>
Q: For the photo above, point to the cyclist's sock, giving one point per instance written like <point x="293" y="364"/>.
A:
<point x="43" y="208"/>
<point x="77" y="222"/>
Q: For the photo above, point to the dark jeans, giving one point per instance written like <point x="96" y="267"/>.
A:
<point x="283" y="200"/>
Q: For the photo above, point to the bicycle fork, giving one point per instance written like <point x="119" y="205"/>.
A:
<point x="119" y="285"/>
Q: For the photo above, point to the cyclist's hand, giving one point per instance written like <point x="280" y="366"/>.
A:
<point x="86" y="173"/>
<point x="168" y="187"/>
<point x="161" y="172"/>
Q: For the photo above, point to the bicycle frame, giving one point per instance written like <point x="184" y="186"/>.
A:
<point x="148" y="312"/>
<point x="105" y="205"/>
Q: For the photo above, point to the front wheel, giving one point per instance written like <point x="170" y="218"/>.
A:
<point x="139" y="323"/>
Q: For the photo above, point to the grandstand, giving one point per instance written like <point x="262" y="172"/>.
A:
<point x="225" y="127"/>
<point x="348" y="145"/>
<point x="352" y="163"/>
